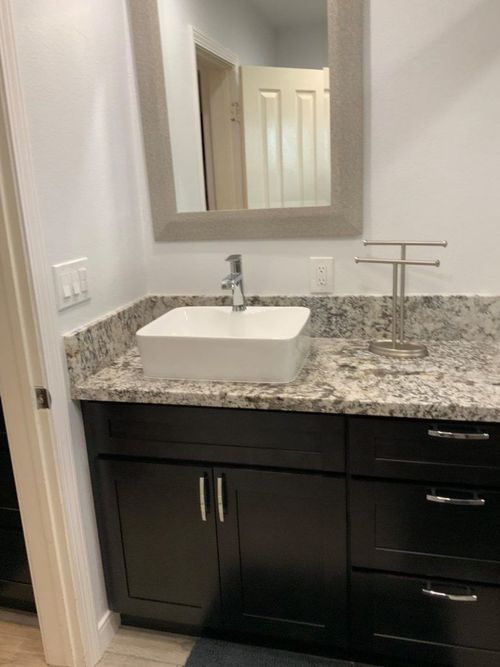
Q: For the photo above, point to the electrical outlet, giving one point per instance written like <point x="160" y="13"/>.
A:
<point x="321" y="274"/>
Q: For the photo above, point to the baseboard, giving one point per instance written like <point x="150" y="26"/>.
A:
<point x="107" y="629"/>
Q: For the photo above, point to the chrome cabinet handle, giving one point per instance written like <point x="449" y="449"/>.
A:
<point x="203" y="499"/>
<point x="448" y="596"/>
<point x="465" y="502"/>
<point x="220" y="498"/>
<point x="453" y="435"/>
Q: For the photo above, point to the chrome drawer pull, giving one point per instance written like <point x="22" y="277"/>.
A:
<point x="220" y="498"/>
<point x="465" y="502"/>
<point x="449" y="596"/>
<point x="203" y="499"/>
<point x="452" y="435"/>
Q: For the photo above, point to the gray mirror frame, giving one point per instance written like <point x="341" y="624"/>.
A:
<point x="345" y="215"/>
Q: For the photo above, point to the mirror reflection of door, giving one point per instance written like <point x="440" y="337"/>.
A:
<point x="248" y="102"/>
<point x="223" y="163"/>
<point x="286" y="115"/>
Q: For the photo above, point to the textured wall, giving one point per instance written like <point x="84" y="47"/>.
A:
<point x="432" y="156"/>
<point x="76" y="71"/>
<point x="75" y="68"/>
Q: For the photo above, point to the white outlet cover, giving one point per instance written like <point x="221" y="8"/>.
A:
<point x="321" y="274"/>
<point x="71" y="282"/>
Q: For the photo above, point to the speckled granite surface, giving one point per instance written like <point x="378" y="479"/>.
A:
<point x="457" y="381"/>
<point x="434" y="318"/>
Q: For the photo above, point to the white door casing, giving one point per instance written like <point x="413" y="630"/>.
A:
<point x="30" y="431"/>
<point x="219" y="101"/>
<point x="31" y="355"/>
<point x="286" y="117"/>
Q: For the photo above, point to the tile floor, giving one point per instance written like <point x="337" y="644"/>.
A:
<point x="133" y="647"/>
<point x="21" y="646"/>
<point x="20" y="642"/>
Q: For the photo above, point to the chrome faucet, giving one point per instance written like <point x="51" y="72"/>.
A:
<point x="234" y="282"/>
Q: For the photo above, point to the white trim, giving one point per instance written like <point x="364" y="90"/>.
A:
<point x="200" y="38"/>
<point x="197" y="129"/>
<point x="107" y="628"/>
<point x="72" y="586"/>
<point x="226" y="56"/>
<point x="29" y="430"/>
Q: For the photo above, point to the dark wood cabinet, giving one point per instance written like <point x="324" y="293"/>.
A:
<point x="426" y="529"/>
<point x="426" y="621"/>
<point x="15" y="579"/>
<point x="278" y="538"/>
<point x="371" y="535"/>
<point x="425" y="541"/>
<point x="8" y="495"/>
<point x="217" y="544"/>
<point x="425" y="450"/>
<point x="282" y="547"/>
<point x="161" y="553"/>
<point x="270" y="439"/>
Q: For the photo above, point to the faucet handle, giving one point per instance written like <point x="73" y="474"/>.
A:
<point x="235" y="261"/>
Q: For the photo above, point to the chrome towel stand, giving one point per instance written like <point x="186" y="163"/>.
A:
<point x="398" y="346"/>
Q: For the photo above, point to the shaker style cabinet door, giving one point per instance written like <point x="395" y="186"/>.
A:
<point x="282" y="549"/>
<point x="158" y="539"/>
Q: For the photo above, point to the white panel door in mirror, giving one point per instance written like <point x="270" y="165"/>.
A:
<point x="248" y="102"/>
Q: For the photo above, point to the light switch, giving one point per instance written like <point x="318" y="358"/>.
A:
<point x="76" y="283"/>
<point x="82" y="275"/>
<point x="66" y="286"/>
<point x="71" y="283"/>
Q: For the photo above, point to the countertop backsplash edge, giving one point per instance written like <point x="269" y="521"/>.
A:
<point x="95" y="345"/>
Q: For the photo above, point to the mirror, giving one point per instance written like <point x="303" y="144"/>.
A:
<point x="242" y="136"/>
<point x="248" y="102"/>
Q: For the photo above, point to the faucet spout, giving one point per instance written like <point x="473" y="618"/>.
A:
<point x="234" y="282"/>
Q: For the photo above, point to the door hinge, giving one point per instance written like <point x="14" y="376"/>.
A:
<point x="43" y="398"/>
<point x="235" y="114"/>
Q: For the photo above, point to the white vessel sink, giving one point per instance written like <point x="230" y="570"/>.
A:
<point x="214" y="343"/>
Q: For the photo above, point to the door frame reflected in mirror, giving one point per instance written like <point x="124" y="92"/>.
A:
<point x="344" y="217"/>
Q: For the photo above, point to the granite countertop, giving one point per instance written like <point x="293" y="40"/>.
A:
<point x="459" y="380"/>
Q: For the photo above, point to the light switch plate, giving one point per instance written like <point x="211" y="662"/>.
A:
<point x="71" y="282"/>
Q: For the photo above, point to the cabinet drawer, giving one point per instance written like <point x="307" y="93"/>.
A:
<point x="430" y="450"/>
<point x="409" y="528"/>
<point x="219" y="435"/>
<point x="392" y="616"/>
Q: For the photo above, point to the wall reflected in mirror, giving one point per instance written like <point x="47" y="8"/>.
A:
<point x="248" y="102"/>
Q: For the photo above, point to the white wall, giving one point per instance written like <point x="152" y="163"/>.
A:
<point x="303" y="46"/>
<point x="235" y="24"/>
<point x="76" y="74"/>
<point x="432" y="164"/>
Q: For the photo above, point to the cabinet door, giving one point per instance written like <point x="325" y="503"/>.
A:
<point x="158" y="538"/>
<point x="282" y="549"/>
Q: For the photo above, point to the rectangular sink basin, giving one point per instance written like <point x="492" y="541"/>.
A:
<point x="267" y="344"/>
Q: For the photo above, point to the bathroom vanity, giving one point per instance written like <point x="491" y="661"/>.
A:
<point x="354" y="510"/>
<point x="376" y="535"/>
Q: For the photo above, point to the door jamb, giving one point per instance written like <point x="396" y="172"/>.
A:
<point x="31" y="355"/>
